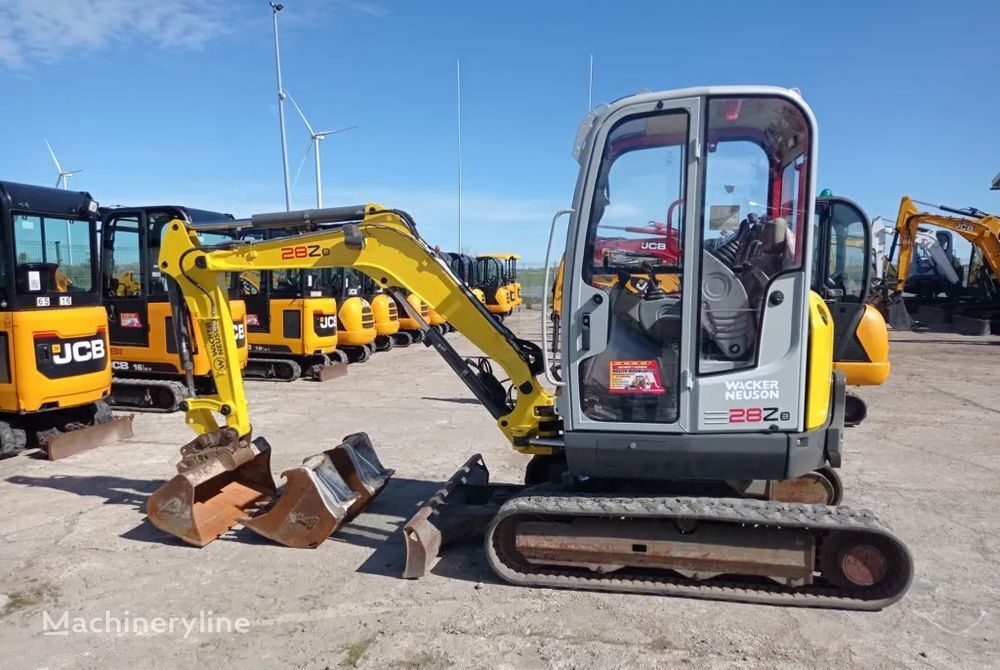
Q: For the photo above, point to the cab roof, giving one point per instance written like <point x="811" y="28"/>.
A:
<point x="46" y="200"/>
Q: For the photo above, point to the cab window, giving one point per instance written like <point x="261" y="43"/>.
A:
<point x="52" y="254"/>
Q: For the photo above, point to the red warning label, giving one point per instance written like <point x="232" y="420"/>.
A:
<point x="636" y="377"/>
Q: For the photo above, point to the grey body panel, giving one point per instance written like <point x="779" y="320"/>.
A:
<point x="709" y="456"/>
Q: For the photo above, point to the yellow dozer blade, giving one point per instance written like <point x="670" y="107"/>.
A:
<point x="324" y="492"/>
<point x="220" y="480"/>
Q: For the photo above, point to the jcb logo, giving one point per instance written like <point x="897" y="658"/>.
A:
<point x="77" y="352"/>
<point x="653" y="246"/>
<point x="240" y="331"/>
<point x="57" y="357"/>
<point x="325" y="324"/>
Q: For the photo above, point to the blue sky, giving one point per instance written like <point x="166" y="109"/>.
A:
<point x="174" y="100"/>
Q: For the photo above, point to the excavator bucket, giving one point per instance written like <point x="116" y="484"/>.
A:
<point x="220" y="477"/>
<point x="459" y="511"/>
<point x="88" y="437"/>
<point x="324" y="492"/>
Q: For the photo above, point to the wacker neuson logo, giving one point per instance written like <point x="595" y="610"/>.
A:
<point x="126" y="623"/>
<point x="756" y="389"/>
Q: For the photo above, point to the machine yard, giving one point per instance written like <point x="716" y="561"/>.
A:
<point x="74" y="539"/>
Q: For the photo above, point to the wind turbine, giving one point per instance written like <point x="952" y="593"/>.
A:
<point x="314" y="139"/>
<point x="63" y="175"/>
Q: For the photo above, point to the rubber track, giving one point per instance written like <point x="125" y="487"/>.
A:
<point x="178" y="390"/>
<point x="819" y="518"/>
<point x="294" y="369"/>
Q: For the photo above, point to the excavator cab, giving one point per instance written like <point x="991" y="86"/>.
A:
<point x="492" y="278"/>
<point x="355" y="315"/>
<point x="842" y="276"/>
<point x="148" y="374"/>
<point x="464" y="267"/>
<point x="386" y="315"/>
<point x="291" y="323"/>
<point x="55" y="371"/>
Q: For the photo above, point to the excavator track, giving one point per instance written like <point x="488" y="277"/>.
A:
<point x="272" y="369"/>
<point x="147" y="395"/>
<point x="847" y="558"/>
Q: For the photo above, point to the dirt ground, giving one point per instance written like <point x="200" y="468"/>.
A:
<point x="73" y="537"/>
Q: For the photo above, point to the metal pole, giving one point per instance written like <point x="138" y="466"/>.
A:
<point x="319" y="178"/>
<point x="458" y="85"/>
<point x="590" y="86"/>
<point x="281" y="107"/>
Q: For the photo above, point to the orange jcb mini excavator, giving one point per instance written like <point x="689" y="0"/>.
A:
<point x="55" y="368"/>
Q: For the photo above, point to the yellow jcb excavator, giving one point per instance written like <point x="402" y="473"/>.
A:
<point x="975" y="310"/>
<point x="689" y="450"/>
<point x="55" y="368"/>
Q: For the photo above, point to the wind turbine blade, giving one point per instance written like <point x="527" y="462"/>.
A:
<point x="72" y="172"/>
<point x="299" y="110"/>
<point x="324" y="133"/>
<point x="53" y="154"/>
<point x="302" y="162"/>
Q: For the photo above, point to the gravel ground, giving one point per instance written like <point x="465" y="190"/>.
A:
<point x="73" y="538"/>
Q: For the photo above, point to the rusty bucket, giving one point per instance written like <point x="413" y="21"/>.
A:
<point x="324" y="492"/>
<point x="220" y="479"/>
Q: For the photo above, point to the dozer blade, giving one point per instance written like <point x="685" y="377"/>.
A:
<point x="325" y="373"/>
<point x="219" y="478"/>
<point x="460" y="511"/>
<point x="324" y="492"/>
<point x="74" y="441"/>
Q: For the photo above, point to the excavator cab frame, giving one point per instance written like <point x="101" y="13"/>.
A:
<point x="148" y="372"/>
<point x="843" y="276"/>
<point x="492" y="276"/>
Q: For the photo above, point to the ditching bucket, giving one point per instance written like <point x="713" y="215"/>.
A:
<point x="327" y="490"/>
<point x="220" y="477"/>
<point x="459" y="511"/>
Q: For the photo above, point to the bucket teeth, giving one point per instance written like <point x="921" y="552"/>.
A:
<point x="324" y="492"/>
<point x="220" y="477"/>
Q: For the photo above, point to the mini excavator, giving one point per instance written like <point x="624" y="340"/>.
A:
<point x="699" y="417"/>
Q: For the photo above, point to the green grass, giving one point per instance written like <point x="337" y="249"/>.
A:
<point x="30" y="597"/>
<point x="356" y="652"/>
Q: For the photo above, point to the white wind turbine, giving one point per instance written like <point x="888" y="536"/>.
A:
<point x="63" y="175"/>
<point x="314" y="139"/>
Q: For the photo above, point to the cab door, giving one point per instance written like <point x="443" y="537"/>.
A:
<point x="124" y="275"/>
<point x="627" y="345"/>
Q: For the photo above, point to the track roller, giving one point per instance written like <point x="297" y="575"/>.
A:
<point x="384" y="343"/>
<point x="402" y="339"/>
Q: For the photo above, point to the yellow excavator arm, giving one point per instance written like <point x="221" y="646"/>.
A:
<point x="980" y="229"/>
<point x="382" y="243"/>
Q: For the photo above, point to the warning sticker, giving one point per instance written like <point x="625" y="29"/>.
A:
<point x="253" y="320"/>
<point x="636" y="377"/>
<point x="131" y="320"/>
